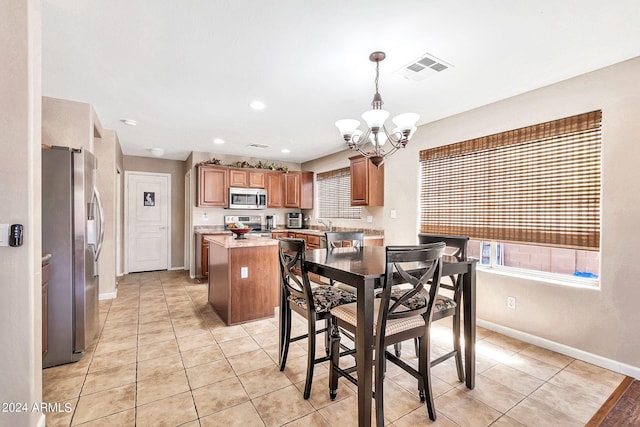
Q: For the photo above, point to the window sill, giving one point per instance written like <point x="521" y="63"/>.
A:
<point x="541" y="276"/>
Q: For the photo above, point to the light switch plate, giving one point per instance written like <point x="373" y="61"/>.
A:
<point x="244" y="272"/>
<point x="4" y="234"/>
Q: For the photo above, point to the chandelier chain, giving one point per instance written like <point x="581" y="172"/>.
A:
<point x="377" y="75"/>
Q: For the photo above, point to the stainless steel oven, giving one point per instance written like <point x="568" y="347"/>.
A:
<point x="247" y="198"/>
<point x="294" y="220"/>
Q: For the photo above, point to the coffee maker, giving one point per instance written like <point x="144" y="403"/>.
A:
<point x="270" y="222"/>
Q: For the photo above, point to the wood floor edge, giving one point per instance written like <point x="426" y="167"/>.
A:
<point x="608" y="405"/>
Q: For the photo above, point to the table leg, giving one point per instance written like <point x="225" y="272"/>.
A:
<point x="469" y="302"/>
<point x="364" y="355"/>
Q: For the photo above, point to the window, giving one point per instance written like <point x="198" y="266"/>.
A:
<point x="526" y="195"/>
<point x="334" y="195"/>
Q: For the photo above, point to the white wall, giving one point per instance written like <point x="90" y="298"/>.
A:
<point x="20" y="190"/>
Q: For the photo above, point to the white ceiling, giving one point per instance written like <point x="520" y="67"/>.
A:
<point x="187" y="70"/>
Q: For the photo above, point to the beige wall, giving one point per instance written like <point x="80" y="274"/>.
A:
<point x="68" y="123"/>
<point x="106" y="150"/>
<point x="603" y="322"/>
<point x="20" y="267"/>
<point x="176" y="169"/>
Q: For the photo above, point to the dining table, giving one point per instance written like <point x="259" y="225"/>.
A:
<point x="364" y="269"/>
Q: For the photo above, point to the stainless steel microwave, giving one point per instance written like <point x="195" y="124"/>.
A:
<point x="247" y="198"/>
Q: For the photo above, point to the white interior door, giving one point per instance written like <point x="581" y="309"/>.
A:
<point x="147" y="221"/>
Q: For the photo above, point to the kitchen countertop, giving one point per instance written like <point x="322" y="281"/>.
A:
<point x="211" y="230"/>
<point x="320" y="232"/>
<point x="230" y="242"/>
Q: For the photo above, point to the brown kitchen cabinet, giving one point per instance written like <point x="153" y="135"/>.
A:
<point x="367" y="182"/>
<point x="276" y="234"/>
<point x="298" y="189"/>
<point x="313" y="240"/>
<point x="240" y="297"/>
<point x="275" y="189"/>
<point x="204" y="260"/>
<point x="247" y="178"/>
<point x="213" y="185"/>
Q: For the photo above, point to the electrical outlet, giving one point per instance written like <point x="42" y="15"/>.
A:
<point x="369" y="218"/>
<point x="511" y="303"/>
<point x="244" y="272"/>
<point x="393" y="214"/>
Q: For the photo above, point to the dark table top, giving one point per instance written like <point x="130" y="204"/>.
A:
<point x="368" y="262"/>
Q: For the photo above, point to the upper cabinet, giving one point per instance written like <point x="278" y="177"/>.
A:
<point x="292" y="190"/>
<point x="247" y="178"/>
<point x="298" y="190"/>
<point x="213" y="185"/>
<point x="275" y="189"/>
<point x="367" y="182"/>
<point x="284" y="190"/>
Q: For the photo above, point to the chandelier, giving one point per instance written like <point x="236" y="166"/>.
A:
<point x="377" y="133"/>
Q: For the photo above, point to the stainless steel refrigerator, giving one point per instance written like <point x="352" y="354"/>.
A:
<point x="72" y="231"/>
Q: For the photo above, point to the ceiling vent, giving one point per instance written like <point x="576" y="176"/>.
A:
<point x="260" y="146"/>
<point x="425" y="66"/>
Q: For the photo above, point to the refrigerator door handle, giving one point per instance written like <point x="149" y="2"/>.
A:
<point x="96" y="197"/>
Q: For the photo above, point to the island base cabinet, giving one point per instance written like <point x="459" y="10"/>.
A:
<point x="239" y="299"/>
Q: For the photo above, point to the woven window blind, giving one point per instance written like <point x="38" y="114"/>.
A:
<point x="539" y="184"/>
<point x="334" y="192"/>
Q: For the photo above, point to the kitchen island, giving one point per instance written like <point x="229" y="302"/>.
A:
<point x="244" y="277"/>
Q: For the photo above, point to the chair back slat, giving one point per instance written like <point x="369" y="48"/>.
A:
<point x="338" y="239"/>
<point x="458" y="245"/>
<point x="415" y="265"/>
<point x="293" y="273"/>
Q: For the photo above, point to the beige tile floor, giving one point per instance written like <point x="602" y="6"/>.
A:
<point x="164" y="358"/>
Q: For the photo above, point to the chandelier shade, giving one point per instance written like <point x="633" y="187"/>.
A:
<point x="376" y="133"/>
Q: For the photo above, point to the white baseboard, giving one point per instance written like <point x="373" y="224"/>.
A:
<point x="612" y="365"/>
<point x="177" y="268"/>
<point x="109" y="295"/>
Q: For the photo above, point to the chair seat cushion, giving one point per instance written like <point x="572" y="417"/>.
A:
<point x="419" y="301"/>
<point x="325" y="297"/>
<point x="349" y="314"/>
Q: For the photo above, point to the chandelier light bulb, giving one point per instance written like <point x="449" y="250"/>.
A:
<point x="406" y="121"/>
<point x="375" y="118"/>
<point x="347" y="127"/>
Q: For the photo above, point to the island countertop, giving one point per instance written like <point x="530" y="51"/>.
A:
<point x="231" y="242"/>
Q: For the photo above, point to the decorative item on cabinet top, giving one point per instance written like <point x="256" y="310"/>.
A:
<point x="244" y="164"/>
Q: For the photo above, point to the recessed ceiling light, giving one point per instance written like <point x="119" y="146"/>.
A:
<point x="157" y="152"/>
<point x="218" y="141"/>
<point x="129" y="122"/>
<point x="285" y="150"/>
<point x="257" y="105"/>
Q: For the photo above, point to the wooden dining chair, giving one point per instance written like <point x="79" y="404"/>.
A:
<point x="448" y="306"/>
<point x="396" y="318"/>
<point x="340" y="239"/>
<point x="312" y="303"/>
